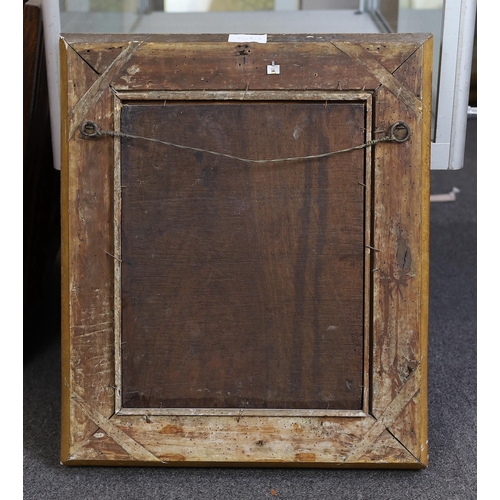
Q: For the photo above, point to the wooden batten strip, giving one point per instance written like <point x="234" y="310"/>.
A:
<point x="132" y="447"/>
<point x="101" y="85"/>
<point x="242" y="95"/>
<point x="386" y="78"/>
<point x="117" y="211"/>
<point x="407" y="392"/>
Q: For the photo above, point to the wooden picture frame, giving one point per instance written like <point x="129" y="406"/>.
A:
<point x="317" y="239"/>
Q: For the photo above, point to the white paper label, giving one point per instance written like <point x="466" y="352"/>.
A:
<point x="273" y="69"/>
<point x="248" y="38"/>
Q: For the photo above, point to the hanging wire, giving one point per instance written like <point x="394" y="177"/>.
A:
<point x="399" y="132"/>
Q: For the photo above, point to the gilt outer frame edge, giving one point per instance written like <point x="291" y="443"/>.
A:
<point x="80" y="421"/>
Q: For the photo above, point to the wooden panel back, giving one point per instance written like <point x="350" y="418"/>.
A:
<point x="242" y="283"/>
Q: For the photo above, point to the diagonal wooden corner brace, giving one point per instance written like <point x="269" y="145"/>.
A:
<point x="99" y="87"/>
<point x="397" y="405"/>
<point x="132" y="447"/>
<point x="386" y="78"/>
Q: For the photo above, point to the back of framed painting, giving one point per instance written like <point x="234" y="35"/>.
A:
<point x="245" y="250"/>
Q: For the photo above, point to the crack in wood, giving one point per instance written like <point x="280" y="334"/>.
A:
<point x="84" y="60"/>
<point x="405" y="447"/>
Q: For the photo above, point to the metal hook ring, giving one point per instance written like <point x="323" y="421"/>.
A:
<point x="400" y="132"/>
<point x="90" y="129"/>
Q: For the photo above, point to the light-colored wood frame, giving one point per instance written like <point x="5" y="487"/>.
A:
<point x="392" y="73"/>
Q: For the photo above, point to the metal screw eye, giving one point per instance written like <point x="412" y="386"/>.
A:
<point x="89" y="129"/>
<point x="400" y="132"/>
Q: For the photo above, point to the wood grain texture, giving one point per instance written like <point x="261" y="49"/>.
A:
<point x="186" y="206"/>
<point x="242" y="284"/>
<point x="103" y="49"/>
<point x="295" y="441"/>
<point x="401" y="280"/>
<point x="88" y="278"/>
<point x="167" y="62"/>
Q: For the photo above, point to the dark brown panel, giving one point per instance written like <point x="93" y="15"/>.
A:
<point x="242" y="284"/>
<point x="41" y="185"/>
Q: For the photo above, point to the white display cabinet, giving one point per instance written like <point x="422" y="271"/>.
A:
<point x="452" y="22"/>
